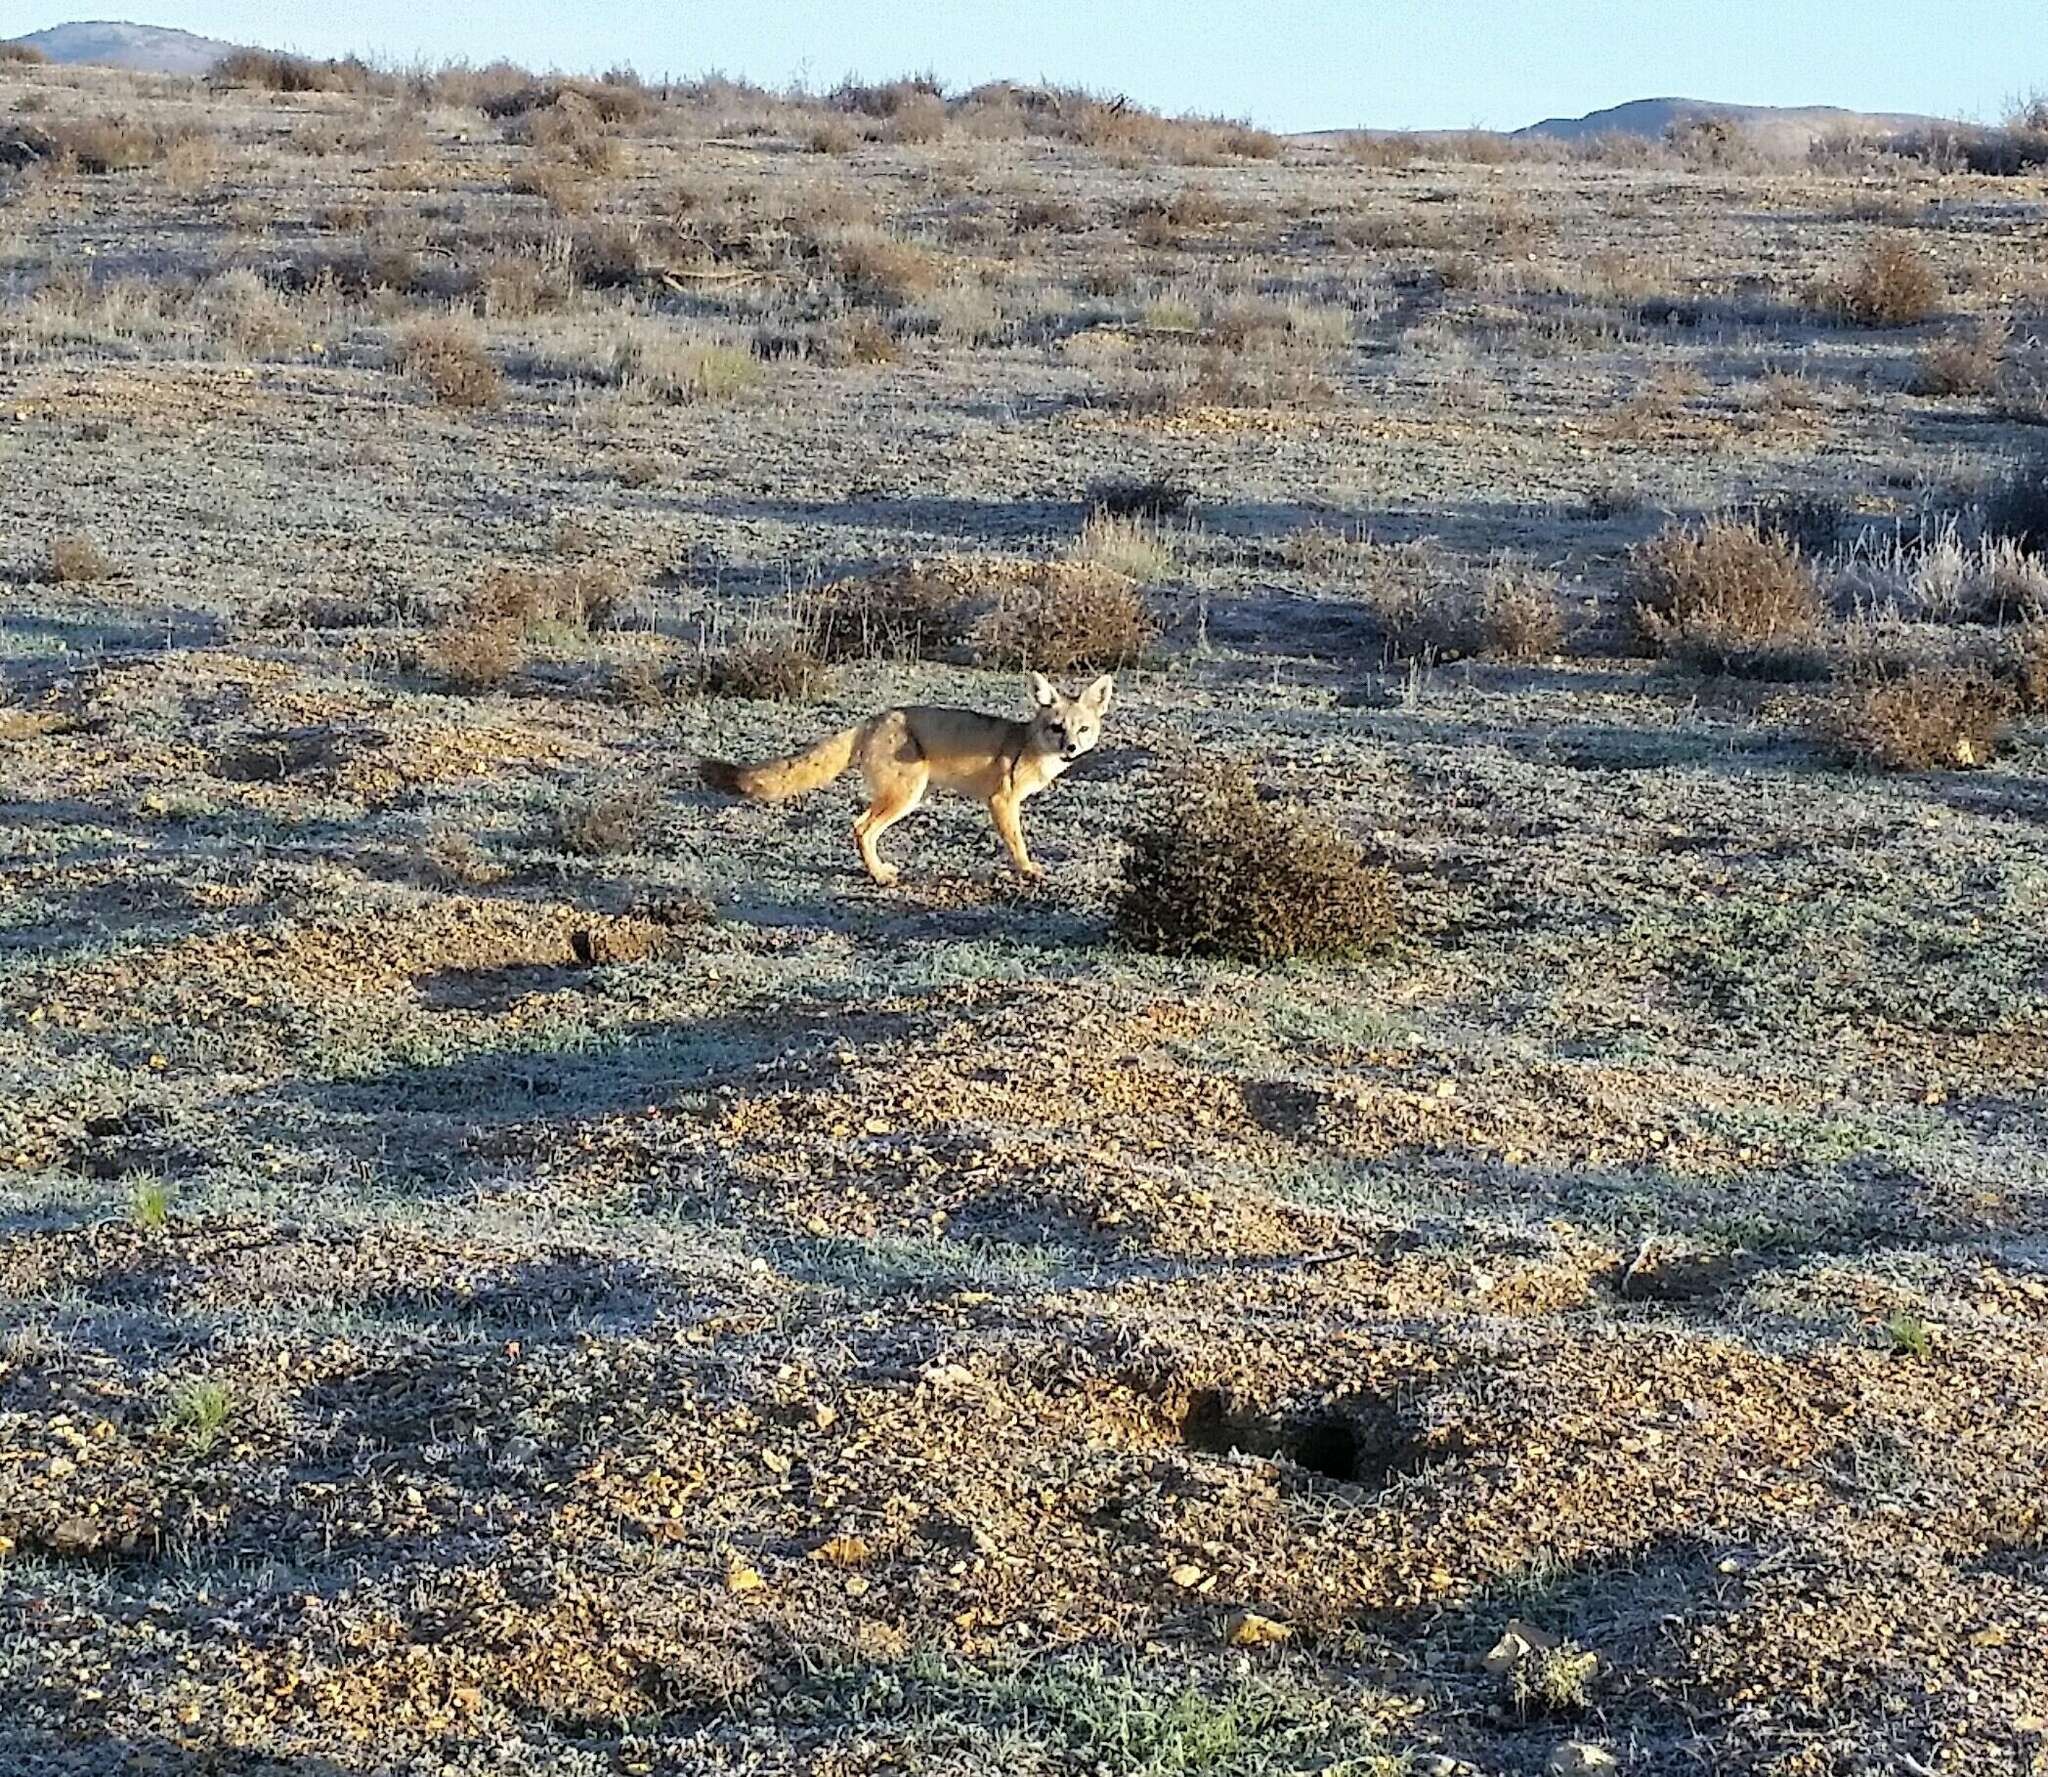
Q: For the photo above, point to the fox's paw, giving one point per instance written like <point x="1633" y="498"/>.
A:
<point x="885" y="875"/>
<point x="1031" y="872"/>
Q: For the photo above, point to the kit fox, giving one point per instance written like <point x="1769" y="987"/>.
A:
<point x="902" y="751"/>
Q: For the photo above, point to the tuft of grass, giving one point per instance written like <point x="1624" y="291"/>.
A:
<point x="201" y="1410"/>
<point x="101" y="145"/>
<point x="1554" y="1680"/>
<point x="1910" y="1336"/>
<point x="1892" y="284"/>
<point x="1724" y="596"/>
<point x="1521" y="616"/>
<point x="450" y="361"/>
<point x="1929" y="718"/>
<point x="788" y="670"/>
<point x="1061" y="616"/>
<point x="607" y="824"/>
<point x="1217" y="871"/>
<point x="73" y="559"/>
<point x="149" y="1203"/>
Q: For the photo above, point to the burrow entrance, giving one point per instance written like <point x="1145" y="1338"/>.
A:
<point x="1360" y="1440"/>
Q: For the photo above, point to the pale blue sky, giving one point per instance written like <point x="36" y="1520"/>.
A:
<point x="1288" y="64"/>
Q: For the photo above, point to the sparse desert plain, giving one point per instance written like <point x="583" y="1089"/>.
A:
<point x="513" y="1262"/>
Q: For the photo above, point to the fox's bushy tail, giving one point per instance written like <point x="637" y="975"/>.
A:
<point x="776" y="780"/>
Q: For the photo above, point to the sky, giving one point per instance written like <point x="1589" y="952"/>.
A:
<point x="1285" y="64"/>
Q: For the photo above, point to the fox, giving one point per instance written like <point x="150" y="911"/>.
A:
<point x="902" y="751"/>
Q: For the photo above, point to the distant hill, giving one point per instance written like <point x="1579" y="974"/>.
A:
<point x="1787" y="126"/>
<point x="147" y="49"/>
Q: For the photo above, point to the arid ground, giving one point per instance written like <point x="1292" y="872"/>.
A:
<point x="512" y="1263"/>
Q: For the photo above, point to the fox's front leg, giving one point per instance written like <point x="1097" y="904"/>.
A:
<point x="1005" y="812"/>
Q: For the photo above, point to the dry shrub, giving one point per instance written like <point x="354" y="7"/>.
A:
<point x="832" y="135"/>
<point x="2024" y="667"/>
<point x="1134" y="547"/>
<point x="605" y="824"/>
<point x="2016" y="509"/>
<point x="860" y="339"/>
<point x="532" y="600"/>
<point x="111" y="144"/>
<point x="2021" y="391"/>
<point x="1158" y="500"/>
<point x="25" y="53"/>
<point x="561" y="185"/>
<point x="475" y="657"/>
<point x="608" y="256"/>
<point x="1521" y="616"/>
<point x="1725" y="597"/>
<point x="905" y="612"/>
<point x="785" y="670"/>
<point x="1929" y="718"/>
<point x="277" y="72"/>
<point x="1061" y="616"/>
<point x="884" y="272"/>
<point x="73" y="559"/>
<point x="450" y="360"/>
<point x="1050" y="215"/>
<point x="1893" y="284"/>
<point x="920" y="119"/>
<point x="1216" y="871"/>
<point x="190" y="165"/>
<point x="1809" y="523"/>
<point x="1965" y="363"/>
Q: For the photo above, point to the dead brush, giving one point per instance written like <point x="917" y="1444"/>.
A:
<point x="1062" y="616"/>
<point x="450" y="361"/>
<point x="1929" y="718"/>
<point x="1892" y="284"/>
<point x="1724" y="596"/>
<point x="581" y="597"/>
<point x="607" y="823"/>
<point x="767" y="670"/>
<point x="1965" y="363"/>
<point x="1215" y="870"/>
<point x="472" y="658"/>
<point x="1521" y="616"/>
<point x="906" y="612"/>
<point x="71" y="558"/>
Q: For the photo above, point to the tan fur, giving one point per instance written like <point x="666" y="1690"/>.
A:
<point x="903" y="751"/>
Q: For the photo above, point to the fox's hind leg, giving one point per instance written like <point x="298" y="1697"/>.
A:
<point x="896" y="775"/>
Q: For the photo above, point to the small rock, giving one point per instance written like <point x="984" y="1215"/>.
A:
<point x="1581" y="1758"/>
<point x="1187" y="1575"/>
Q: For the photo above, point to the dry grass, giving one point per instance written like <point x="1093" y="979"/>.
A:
<point x="1217" y="871"/>
<point x="1062" y="616"/>
<point x="1892" y="284"/>
<point x="73" y="559"/>
<point x="448" y="359"/>
<point x="882" y="271"/>
<point x="103" y="145"/>
<point x="2016" y="509"/>
<point x="1930" y="718"/>
<point x="1724" y="597"/>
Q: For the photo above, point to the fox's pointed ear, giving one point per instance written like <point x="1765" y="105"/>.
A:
<point x="1096" y="697"/>
<point x="1042" y="691"/>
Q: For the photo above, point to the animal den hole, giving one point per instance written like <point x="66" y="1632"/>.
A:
<point x="1359" y="1441"/>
